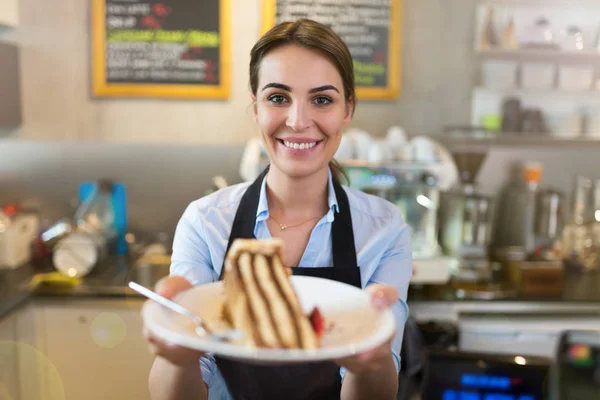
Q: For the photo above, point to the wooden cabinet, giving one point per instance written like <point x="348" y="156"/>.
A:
<point x="9" y="13"/>
<point x="8" y="358"/>
<point x="98" y="349"/>
<point x="10" y="87"/>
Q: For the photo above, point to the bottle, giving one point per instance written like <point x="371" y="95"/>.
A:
<point x="96" y="215"/>
<point x="579" y="244"/>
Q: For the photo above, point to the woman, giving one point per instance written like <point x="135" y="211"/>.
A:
<point x="302" y="88"/>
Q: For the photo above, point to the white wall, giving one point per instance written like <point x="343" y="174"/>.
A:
<point x="54" y="39"/>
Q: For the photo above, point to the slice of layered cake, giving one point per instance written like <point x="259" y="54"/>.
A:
<point x="261" y="301"/>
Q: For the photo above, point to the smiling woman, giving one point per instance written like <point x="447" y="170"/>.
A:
<point x="302" y="88"/>
<point x="318" y="80"/>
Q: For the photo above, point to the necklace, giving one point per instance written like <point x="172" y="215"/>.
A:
<point x="284" y="226"/>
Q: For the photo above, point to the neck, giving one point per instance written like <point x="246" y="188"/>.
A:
<point x="297" y="197"/>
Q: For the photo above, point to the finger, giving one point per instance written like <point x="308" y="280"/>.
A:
<point x="172" y="285"/>
<point x="382" y="296"/>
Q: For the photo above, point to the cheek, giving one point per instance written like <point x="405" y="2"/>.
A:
<point x="331" y="124"/>
<point x="269" y="119"/>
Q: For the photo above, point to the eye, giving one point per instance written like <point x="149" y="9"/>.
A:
<point x="322" y="100"/>
<point x="277" y="99"/>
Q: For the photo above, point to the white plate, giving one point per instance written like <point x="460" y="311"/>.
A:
<point x="355" y="325"/>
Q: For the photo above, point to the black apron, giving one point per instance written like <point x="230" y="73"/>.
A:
<point x="315" y="381"/>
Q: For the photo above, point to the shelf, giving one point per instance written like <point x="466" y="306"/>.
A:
<point x="518" y="139"/>
<point x="540" y="92"/>
<point x="540" y="53"/>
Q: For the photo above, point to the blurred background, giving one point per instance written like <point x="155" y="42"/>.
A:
<point x="479" y="119"/>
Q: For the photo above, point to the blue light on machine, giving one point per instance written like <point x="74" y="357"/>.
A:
<point x="383" y="180"/>
<point x="485" y="381"/>
<point x="460" y="395"/>
<point x="457" y="395"/>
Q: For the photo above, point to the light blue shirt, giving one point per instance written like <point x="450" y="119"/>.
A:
<point x="381" y="238"/>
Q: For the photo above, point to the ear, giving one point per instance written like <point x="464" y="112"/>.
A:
<point x="254" y="109"/>
<point x="348" y="116"/>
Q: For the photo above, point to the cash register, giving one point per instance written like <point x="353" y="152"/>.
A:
<point x="578" y="365"/>
<point x="454" y="375"/>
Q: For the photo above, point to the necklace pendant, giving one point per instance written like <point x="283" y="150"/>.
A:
<point x="283" y="227"/>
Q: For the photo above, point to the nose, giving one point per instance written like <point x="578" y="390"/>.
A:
<point x="299" y="117"/>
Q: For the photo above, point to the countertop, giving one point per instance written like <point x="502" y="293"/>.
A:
<point x="109" y="279"/>
<point x="579" y="287"/>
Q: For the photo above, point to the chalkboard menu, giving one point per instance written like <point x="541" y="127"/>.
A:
<point x="160" y="48"/>
<point x="370" y="28"/>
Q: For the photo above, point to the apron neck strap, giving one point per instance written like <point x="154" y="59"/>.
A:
<point x="342" y="234"/>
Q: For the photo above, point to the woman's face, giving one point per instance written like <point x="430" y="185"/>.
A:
<point x="300" y="108"/>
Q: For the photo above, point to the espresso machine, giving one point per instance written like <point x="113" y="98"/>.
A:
<point x="466" y="218"/>
<point x="415" y="191"/>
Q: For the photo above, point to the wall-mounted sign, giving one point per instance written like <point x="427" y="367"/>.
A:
<point x="161" y="48"/>
<point x="370" y="28"/>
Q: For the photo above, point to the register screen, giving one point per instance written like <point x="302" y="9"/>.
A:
<point x="480" y="379"/>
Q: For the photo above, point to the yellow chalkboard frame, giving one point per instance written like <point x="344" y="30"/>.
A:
<point x="101" y="88"/>
<point x="394" y="67"/>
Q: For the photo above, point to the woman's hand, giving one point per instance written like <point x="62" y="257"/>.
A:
<point x="176" y="355"/>
<point x="382" y="297"/>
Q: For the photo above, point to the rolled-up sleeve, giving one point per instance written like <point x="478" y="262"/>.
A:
<point x="191" y="255"/>
<point x="395" y="269"/>
<point x="191" y="260"/>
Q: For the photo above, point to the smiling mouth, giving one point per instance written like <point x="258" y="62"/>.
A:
<point x="299" y="146"/>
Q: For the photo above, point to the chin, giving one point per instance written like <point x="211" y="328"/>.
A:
<point x="299" y="169"/>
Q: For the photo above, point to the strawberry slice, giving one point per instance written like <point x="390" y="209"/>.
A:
<point x="318" y="322"/>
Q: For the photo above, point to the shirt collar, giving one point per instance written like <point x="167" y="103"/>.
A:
<point x="262" y="211"/>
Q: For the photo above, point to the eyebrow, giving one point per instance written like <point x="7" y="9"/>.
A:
<point x="289" y="89"/>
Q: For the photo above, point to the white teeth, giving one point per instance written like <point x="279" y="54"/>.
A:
<point x="299" y="146"/>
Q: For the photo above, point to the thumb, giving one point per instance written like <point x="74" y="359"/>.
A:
<point x="382" y="296"/>
<point x="170" y="286"/>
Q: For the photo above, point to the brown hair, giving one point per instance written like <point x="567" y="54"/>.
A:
<point x="314" y="36"/>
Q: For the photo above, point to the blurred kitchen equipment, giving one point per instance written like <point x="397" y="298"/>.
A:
<point x="515" y="220"/>
<point x="414" y="189"/>
<point x="78" y="253"/>
<point x="96" y="214"/>
<point x="492" y="122"/>
<point x="104" y="209"/>
<point x="532" y="121"/>
<point x="417" y="198"/>
<point x="578" y="364"/>
<point x="511" y="258"/>
<point x="397" y="140"/>
<point x="489" y="38"/>
<point x="580" y="246"/>
<point x="509" y="36"/>
<point x="466" y="222"/>
<point x="17" y="233"/>
<point x="596" y="209"/>
<point x="457" y="375"/>
<point x="52" y="234"/>
<point x="511" y="115"/>
<point x="465" y="215"/>
<point x="572" y="39"/>
<point x="540" y="35"/>
<point x="250" y="164"/>
<point x="549" y="217"/>
<point x="540" y="278"/>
